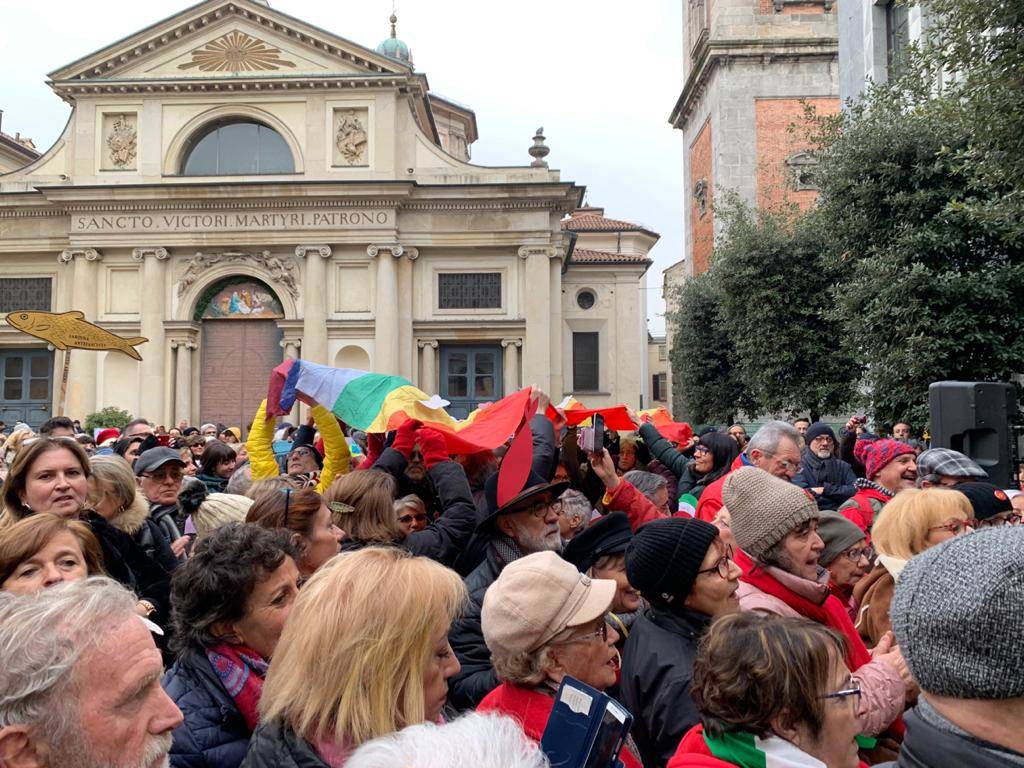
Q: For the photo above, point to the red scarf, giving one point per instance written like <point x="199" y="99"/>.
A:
<point x="831" y="613"/>
<point x="241" y="670"/>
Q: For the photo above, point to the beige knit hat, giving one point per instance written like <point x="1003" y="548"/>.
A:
<point x="220" y="509"/>
<point x="764" y="509"/>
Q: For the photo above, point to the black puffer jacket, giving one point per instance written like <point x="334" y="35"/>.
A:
<point x="476" y="678"/>
<point x="449" y="534"/>
<point x="126" y="562"/>
<point x="214" y="733"/>
<point x="275" y="745"/>
<point x="657" y="669"/>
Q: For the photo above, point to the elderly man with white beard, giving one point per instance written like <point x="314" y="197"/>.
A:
<point x="829" y="479"/>
<point x="80" y="681"/>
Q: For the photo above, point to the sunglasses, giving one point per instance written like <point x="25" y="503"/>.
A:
<point x="406" y="519"/>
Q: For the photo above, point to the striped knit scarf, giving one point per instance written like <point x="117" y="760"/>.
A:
<point x="863" y="482"/>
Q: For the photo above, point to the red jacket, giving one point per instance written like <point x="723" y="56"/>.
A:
<point x="862" y="508"/>
<point x="532" y="709"/>
<point x="693" y="752"/>
<point x="711" y="499"/>
<point x="638" y="508"/>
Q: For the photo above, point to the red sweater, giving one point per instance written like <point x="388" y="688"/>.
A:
<point x="532" y="709"/>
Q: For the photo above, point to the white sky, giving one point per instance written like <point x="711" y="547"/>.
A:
<point x="600" y="76"/>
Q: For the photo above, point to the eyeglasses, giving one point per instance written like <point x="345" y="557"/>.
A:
<point x="406" y="519"/>
<point x="956" y="527"/>
<point x="701" y="449"/>
<point x="722" y="565"/>
<point x="1013" y="518"/>
<point x="163" y="476"/>
<point x="787" y="465"/>
<point x="301" y="452"/>
<point x="853" y="689"/>
<point x="598" y="634"/>
<point x="856" y="553"/>
<point x="540" y="510"/>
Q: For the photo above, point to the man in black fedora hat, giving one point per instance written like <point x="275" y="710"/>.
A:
<point x="523" y="509"/>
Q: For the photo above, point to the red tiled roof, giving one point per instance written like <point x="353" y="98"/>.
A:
<point x="592" y="219"/>
<point x="588" y="256"/>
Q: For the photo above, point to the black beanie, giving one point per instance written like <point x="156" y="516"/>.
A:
<point x="817" y="429"/>
<point x="663" y="559"/>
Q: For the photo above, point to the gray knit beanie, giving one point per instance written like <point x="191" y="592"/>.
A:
<point x="764" y="509"/>
<point x="220" y="509"/>
<point x="838" y="534"/>
<point x="958" y="615"/>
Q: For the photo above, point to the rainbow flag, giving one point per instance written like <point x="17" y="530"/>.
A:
<point x="375" y="402"/>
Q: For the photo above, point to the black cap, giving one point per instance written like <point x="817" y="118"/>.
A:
<point x="608" y="535"/>
<point x="987" y="500"/>
<point x="663" y="559"/>
<point x="534" y="487"/>
<point x="154" y="458"/>
<point x="817" y="429"/>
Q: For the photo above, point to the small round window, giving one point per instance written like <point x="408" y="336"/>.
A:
<point x="585" y="299"/>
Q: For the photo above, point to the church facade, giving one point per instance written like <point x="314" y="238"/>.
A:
<point x="239" y="186"/>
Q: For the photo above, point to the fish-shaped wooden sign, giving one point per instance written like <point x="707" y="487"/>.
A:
<point x="70" y="330"/>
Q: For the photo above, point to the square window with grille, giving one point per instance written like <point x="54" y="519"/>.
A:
<point x="24" y="293"/>
<point x="469" y="290"/>
<point x="585" y="369"/>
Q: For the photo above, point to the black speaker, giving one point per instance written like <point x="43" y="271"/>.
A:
<point x="974" y="417"/>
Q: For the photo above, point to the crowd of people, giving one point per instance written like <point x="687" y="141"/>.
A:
<point x="313" y="596"/>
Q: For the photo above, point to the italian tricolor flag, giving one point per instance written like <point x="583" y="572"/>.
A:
<point x="749" y="751"/>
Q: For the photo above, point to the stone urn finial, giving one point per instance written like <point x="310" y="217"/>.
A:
<point x="539" y="150"/>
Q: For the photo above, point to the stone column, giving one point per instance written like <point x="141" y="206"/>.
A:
<point x="81" y="395"/>
<point x="386" y="325"/>
<point x="537" y="311"/>
<point x="555" y="264"/>
<point x="511" y="368"/>
<point x="314" y="302"/>
<point x="183" y="380"/>
<point x="428" y="381"/>
<point x="151" y="325"/>
<point x="406" y="348"/>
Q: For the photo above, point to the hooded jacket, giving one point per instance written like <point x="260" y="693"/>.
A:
<point x="138" y="521"/>
<point x="657" y="670"/>
<point x="873" y="594"/>
<point x="214" y="733"/>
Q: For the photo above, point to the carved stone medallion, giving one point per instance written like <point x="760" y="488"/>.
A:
<point x="121" y="142"/>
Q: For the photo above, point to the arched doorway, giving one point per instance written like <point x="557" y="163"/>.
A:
<point x="241" y="344"/>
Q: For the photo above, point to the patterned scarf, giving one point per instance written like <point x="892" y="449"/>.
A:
<point x="863" y="482"/>
<point x="241" y="670"/>
<point x="506" y="549"/>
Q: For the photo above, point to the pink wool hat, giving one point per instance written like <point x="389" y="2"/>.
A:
<point x="876" y="454"/>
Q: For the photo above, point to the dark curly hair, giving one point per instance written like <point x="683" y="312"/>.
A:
<point x="215" y="583"/>
<point x="751" y="669"/>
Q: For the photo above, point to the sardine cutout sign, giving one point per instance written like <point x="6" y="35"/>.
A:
<point x="70" y="330"/>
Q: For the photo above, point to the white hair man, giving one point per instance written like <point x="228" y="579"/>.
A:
<point x="469" y="742"/>
<point x="80" y="681"/>
<point x="775" y="448"/>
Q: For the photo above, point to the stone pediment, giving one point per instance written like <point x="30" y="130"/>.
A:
<point x="228" y="39"/>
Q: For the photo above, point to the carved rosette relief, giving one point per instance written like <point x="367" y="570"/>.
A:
<point x="121" y="140"/>
<point x="236" y="52"/>
<point x="281" y="269"/>
<point x="351" y="140"/>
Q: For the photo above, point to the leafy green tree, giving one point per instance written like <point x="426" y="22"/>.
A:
<point x="107" y="417"/>
<point x="775" y="288"/>
<point x="704" y="385"/>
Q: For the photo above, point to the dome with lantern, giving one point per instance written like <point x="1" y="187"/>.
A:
<point x="394" y="48"/>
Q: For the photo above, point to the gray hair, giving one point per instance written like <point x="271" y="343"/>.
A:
<point x="241" y="480"/>
<point x="575" y="503"/>
<point x="771" y="433"/>
<point x="647" y="483"/>
<point x="42" y="637"/>
<point x="472" y="740"/>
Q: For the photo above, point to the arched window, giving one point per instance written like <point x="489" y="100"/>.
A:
<point x="237" y="148"/>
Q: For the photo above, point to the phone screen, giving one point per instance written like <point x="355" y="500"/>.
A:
<point x="598" y="431"/>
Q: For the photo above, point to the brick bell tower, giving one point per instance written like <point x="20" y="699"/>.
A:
<point x="751" y="67"/>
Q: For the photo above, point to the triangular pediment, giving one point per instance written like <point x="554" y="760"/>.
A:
<point x="231" y="39"/>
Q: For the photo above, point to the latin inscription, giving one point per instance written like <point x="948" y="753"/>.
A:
<point x="233" y="221"/>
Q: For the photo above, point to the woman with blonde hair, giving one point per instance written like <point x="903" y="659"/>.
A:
<point x="364" y="653"/>
<point x="912" y="522"/>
